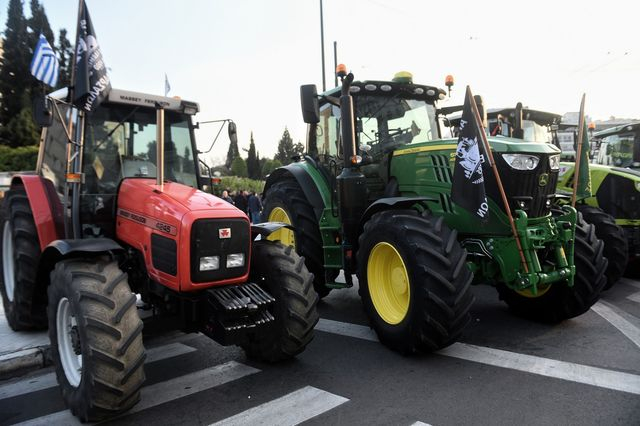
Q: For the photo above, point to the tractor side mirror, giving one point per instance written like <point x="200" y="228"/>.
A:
<point x="233" y="134"/>
<point x="43" y="111"/>
<point x="309" y="102"/>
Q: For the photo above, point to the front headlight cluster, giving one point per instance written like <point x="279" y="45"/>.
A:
<point x="521" y="161"/>
<point x="554" y="162"/>
<point x="212" y="263"/>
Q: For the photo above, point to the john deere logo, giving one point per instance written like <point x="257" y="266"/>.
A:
<point x="544" y="179"/>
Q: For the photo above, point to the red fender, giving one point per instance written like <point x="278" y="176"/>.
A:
<point x="45" y="216"/>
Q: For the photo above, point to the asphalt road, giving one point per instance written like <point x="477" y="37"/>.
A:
<point x="505" y="370"/>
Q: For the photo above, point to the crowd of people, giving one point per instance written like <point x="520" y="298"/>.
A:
<point x="248" y="202"/>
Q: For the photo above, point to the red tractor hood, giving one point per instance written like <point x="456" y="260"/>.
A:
<point x="176" y="197"/>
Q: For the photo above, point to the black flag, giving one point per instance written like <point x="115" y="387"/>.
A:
<point x="467" y="189"/>
<point x="91" y="83"/>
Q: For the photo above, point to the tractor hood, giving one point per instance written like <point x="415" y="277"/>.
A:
<point x="174" y="199"/>
<point x="498" y="144"/>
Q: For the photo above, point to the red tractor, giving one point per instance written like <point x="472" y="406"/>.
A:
<point x="114" y="220"/>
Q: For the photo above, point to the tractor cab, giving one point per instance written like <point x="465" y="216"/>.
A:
<point x="119" y="142"/>
<point x="521" y="123"/>
<point x="388" y="115"/>
<point x="619" y="146"/>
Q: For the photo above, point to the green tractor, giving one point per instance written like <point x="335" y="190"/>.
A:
<point x="532" y="125"/>
<point x="372" y="197"/>
<point x="615" y="181"/>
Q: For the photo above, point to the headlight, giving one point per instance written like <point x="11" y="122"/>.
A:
<point x="521" y="161"/>
<point x="209" y="263"/>
<point x="235" y="260"/>
<point x="554" y="162"/>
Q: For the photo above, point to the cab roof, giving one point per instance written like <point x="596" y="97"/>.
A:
<point x="630" y="127"/>
<point x="386" y="88"/>
<point x="128" y="97"/>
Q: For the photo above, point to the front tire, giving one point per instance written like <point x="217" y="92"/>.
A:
<point x="559" y="302"/>
<point x="616" y="248"/>
<point x="283" y="274"/>
<point x="96" y="338"/>
<point x="24" y="308"/>
<point x="285" y="202"/>
<point x="414" y="281"/>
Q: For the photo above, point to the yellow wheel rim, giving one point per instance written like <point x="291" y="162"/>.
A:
<point x="388" y="282"/>
<point x="542" y="289"/>
<point x="284" y="235"/>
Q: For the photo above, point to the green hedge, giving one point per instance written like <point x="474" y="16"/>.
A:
<point x="18" y="159"/>
<point x="235" y="183"/>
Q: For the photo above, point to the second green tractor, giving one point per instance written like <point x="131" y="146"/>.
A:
<point x="372" y="197"/>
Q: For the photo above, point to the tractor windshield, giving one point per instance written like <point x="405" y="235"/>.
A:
<point x="621" y="150"/>
<point x="120" y="142"/>
<point x="384" y="123"/>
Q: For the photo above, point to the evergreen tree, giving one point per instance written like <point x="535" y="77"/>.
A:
<point x="22" y="130"/>
<point x="15" y="78"/>
<point x="232" y="154"/>
<point x="65" y="56"/>
<point x="285" y="148"/>
<point x="252" y="163"/>
<point x="239" y="167"/>
<point x="39" y="24"/>
<point x="260" y="163"/>
<point x="298" y="149"/>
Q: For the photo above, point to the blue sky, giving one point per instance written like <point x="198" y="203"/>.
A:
<point x="245" y="59"/>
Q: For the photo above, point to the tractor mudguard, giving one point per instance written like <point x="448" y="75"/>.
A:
<point x="63" y="249"/>
<point x="301" y="172"/>
<point x="266" y="228"/>
<point x="392" y="203"/>
<point x="47" y="218"/>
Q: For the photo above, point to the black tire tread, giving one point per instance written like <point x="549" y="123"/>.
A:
<point x="27" y="311"/>
<point x="440" y="281"/>
<point x="288" y="193"/>
<point x="283" y="274"/>
<point x="113" y="353"/>
<point x="616" y="246"/>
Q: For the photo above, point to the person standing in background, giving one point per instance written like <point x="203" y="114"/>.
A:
<point x="255" y="207"/>
<point x="225" y="196"/>
<point x="241" y="201"/>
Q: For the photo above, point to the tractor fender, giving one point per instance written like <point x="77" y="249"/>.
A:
<point x="301" y="172"/>
<point x="64" y="249"/>
<point x="45" y="206"/>
<point x="266" y="228"/>
<point x="392" y="203"/>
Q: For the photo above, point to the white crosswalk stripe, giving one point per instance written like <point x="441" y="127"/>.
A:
<point x="49" y="380"/>
<point x="635" y="297"/>
<point x="578" y="373"/>
<point x="289" y="410"/>
<point x="617" y="318"/>
<point x="166" y="391"/>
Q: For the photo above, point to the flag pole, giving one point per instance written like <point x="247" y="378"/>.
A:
<point x="492" y="163"/>
<point x="576" y="173"/>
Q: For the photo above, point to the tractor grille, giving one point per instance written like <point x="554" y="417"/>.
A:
<point x="164" y="254"/>
<point x="441" y="168"/>
<point x="523" y="188"/>
<point x="207" y="239"/>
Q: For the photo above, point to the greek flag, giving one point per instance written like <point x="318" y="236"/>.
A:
<point x="44" y="65"/>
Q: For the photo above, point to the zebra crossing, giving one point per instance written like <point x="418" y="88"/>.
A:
<point x="290" y="409"/>
<point x="305" y="401"/>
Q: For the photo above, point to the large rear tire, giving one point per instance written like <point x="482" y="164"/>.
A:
<point x="96" y="338"/>
<point x="414" y="281"/>
<point x="285" y="202"/>
<point x="616" y="248"/>
<point x="23" y="307"/>
<point x="282" y="273"/>
<point x="558" y="301"/>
